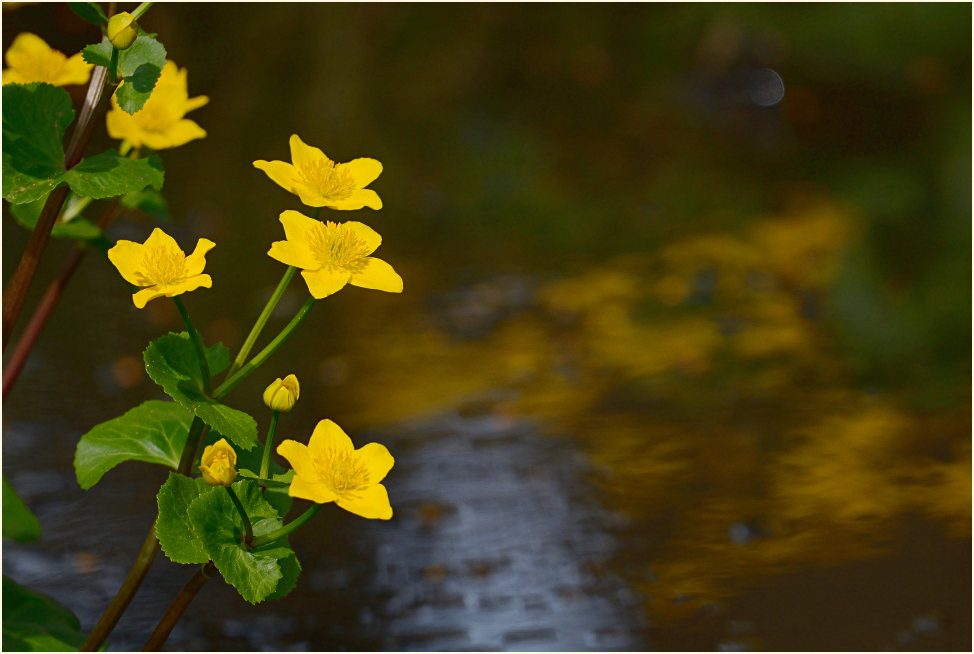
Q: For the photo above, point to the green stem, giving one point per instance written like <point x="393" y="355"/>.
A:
<point x="197" y="431"/>
<point x="197" y="340"/>
<point x="113" y="67"/>
<point x="141" y="9"/>
<point x="262" y="320"/>
<point x="121" y="601"/>
<point x="265" y="461"/>
<point x="243" y="514"/>
<point x="288" y="528"/>
<point x="262" y="356"/>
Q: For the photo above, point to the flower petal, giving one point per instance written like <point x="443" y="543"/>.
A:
<point x="377" y="275"/>
<point x="146" y="294"/>
<point x="373" y="502"/>
<point x="297" y="226"/>
<point x="293" y="254"/>
<point x="281" y="173"/>
<point x="368" y="235"/>
<point x="303" y="154"/>
<point x="197" y="261"/>
<point x="325" y="282"/>
<point x="26" y="47"/>
<point x="179" y="133"/>
<point x="299" y="456"/>
<point x="75" y="71"/>
<point x="159" y="238"/>
<point x="188" y="284"/>
<point x="195" y="103"/>
<point x="307" y="490"/>
<point x="364" y="197"/>
<point x="377" y="461"/>
<point x="364" y="170"/>
<point x="126" y="256"/>
<point x="327" y="436"/>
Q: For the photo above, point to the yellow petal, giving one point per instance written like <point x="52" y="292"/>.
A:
<point x="195" y="103"/>
<point x="75" y="71"/>
<point x="293" y="254"/>
<point x="27" y="47"/>
<point x="188" y="284"/>
<point x="368" y="235"/>
<point x="377" y="461"/>
<point x="11" y="76"/>
<point x="303" y="154"/>
<point x="281" y="173"/>
<point x="325" y="282"/>
<point x="377" y="275"/>
<point x="159" y="238"/>
<point x="297" y="226"/>
<point x="197" y="261"/>
<point x="364" y="197"/>
<point x="121" y="125"/>
<point x="126" y="256"/>
<point x="327" y="435"/>
<point x="305" y="490"/>
<point x="146" y="294"/>
<point x="299" y="456"/>
<point x="373" y="503"/>
<point x="364" y="170"/>
<point x="179" y="133"/>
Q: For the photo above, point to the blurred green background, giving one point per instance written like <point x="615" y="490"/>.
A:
<point x="747" y="310"/>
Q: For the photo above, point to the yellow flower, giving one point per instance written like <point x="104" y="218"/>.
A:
<point x="122" y="30"/>
<point x="160" y="123"/>
<point x="32" y="60"/>
<point x="217" y="463"/>
<point x="329" y="469"/>
<point x="160" y="266"/>
<point x="321" y="182"/>
<point x="282" y="393"/>
<point x="333" y="254"/>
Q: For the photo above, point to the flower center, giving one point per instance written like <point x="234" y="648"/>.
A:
<point x="330" y="180"/>
<point x="341" y="471"/>
<point x="336" y="245"/>
<point x="161" y="266"/>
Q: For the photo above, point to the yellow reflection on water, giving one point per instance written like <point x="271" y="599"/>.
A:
<point x="708" y="389"/>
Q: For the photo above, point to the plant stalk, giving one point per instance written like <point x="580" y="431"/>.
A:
<point x="288" y="528"/>
<point x="197" y="340"/>
<point x="248" y="529"/>
<point x="178" y="607"/>
<point x="265" y="460"/>
<point x="265" y="314"/>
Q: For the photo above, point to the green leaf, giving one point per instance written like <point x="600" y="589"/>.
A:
<point x="174" y="529"/>
<point x="35" y="118"/>
<point x="109" y="174"/>
<point x="35" y="622"/>
<point x="256" y="574"/>
<point x="290" y="570"/>
<point x="26" y="215"/>
<point x="139" y="66"/>
<point x="153" y="432"/>
<point x="150" y="202"/>
<point x="98" y="54"/>
<point x="18" y="522"/>
<point x="171" y="363"/>
<point x="89" y="11"/>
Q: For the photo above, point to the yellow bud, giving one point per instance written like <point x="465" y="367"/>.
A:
<point x="217" y="463"/>
<point x="122" y="30"/>
<point x="282" y="393"/>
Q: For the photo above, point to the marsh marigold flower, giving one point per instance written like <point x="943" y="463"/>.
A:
<point x="329" y="469"/>
<point x="218" y="463"/>
<point x="333" y="254"/>
<point x="321" y="182"/>
<point x="32" y="60"/>
<point x="161" y="122"/>
<point x="160" y="267"/>
<point x="282" y="394"/>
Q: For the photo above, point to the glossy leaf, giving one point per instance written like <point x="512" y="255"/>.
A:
<point x="256" y="574"/>
<point x="26" y="216"/>
<point x="173" y="528"/>
<point x="19" y="523"/>
<point x="89" y="11"/>
<point x="171" y="363"/>
<point x="153" y="432"/>
<point x="109" y="174"/>
<point x="35" y="622"/>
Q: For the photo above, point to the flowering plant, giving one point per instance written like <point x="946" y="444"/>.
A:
<point x="213" y="512"/>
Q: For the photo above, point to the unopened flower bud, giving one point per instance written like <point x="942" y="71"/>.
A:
<point x="217" y="463"/>
<point x="122" y="30"/>
<point x="282" y="393"/>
